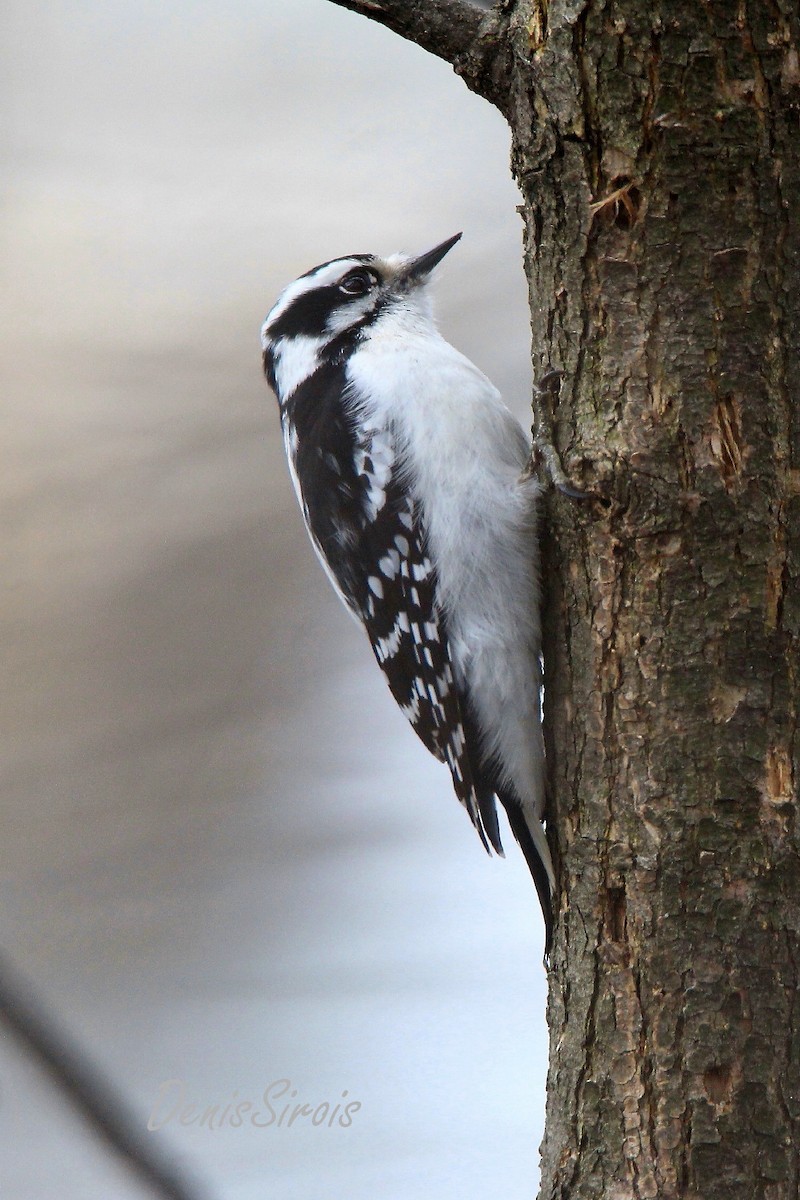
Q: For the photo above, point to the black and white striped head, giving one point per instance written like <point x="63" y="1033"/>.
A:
<point x="321" y="316"/>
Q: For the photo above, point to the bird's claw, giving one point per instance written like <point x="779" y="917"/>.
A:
<point x="543" y="450"/>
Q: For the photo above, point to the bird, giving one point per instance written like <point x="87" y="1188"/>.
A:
<point x="417" y="491"/>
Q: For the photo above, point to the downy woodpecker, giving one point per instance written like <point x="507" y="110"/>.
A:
<point x="411" y="474"/>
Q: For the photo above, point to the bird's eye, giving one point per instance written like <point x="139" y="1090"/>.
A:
<point x="358" y="282"/>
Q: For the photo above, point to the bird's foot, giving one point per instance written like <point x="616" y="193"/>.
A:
<point x="544" y="456"/>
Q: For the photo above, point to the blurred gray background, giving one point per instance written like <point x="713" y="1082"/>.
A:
<point x="225" y="857"/>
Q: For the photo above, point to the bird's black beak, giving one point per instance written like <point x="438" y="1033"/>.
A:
<point x="419" y="268"/>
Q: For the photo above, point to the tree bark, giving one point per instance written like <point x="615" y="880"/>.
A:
<point x="657" y="147"/>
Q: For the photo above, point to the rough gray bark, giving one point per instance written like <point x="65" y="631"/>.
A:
<point x="473" y="40"/>
<point x="657" y="147"/>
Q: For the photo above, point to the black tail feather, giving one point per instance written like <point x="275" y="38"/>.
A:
<point x="488" y="810"/>
<point x="519" y="827"/>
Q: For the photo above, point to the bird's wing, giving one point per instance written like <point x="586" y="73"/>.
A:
<point x="369" y="537"/>
<point x="398" y="604"/>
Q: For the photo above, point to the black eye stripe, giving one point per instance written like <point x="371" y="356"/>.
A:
<point x="308" y="314"/>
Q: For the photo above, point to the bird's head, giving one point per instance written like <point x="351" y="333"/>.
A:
<point x="324" y="312"/>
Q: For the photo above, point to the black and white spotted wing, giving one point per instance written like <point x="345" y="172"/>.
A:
<point x="408" y="634"/>
<point x="368" y="532"/>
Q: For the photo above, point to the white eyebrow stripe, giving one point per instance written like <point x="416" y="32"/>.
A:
<point x="322" y="277"/>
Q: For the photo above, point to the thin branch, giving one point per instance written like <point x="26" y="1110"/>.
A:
<point x="95" y="1097"/>
<point x="472" y="39"/>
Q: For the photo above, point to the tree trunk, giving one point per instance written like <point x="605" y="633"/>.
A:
<point x="657" y="147"/>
